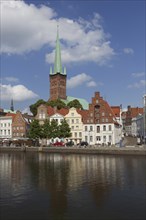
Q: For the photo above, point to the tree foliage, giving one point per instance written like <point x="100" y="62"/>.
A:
<point x="75" y="103"/>
<point x="35" y="131"/>
<point x="64" y="130"/>
<point x="33" y="107"/>
<point x="58" y="103"/>
<point x="46" y="129"/>
<point x="54" y="129"/>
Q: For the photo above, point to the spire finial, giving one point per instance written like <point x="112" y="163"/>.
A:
<point x="57" y="63"/>
<point x="12" y="105"/>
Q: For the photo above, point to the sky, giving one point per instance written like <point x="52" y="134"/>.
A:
<point x="102" y="47"/>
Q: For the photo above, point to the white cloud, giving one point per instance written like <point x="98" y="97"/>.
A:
<point x="27" y="110"/>
<point x="128" y="50"/>
<point x="82" y="79"/>
<point x="18" y="93"/>
<point x="91" y="84"/>
<point x="138" y="85"/>
<point x="25" y="27"/>
<point x="78" y="80"/>
<point x="138" y="74"/>
<point x="11" y="79"/>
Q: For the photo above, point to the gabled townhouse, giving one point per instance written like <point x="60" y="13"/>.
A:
<point x="20" y="125"/>
<point x="74" y="119"/>
<point x="131" y="113"/>
<point x="42" y="113"/>
<point x="99" y="123"/>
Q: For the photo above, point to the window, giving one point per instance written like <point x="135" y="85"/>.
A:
<point x="91" y="114"/>
<point x="75" y="134"/>
<point x="72" y="121"/>
<point x="91" y="128"/>
<point x="104" y="139"/>
<point x="5" y="124"/>
<point x="8" y="132"/>
<point x="102" y="119"/>
<point x="77" y="126"/>
<point x="77" y="121"/>
<point x="80" y="134"/>
<point x="110" y="128"/>
<point x="98" y="138"/>
<point x="103" y="114"/>
<point x="91" y="138"/>
<point x="86" y="138"/>
<point x="98" y="129"/>
<point x="106" y="120"/>
<point x="96" y="100"/>
<point x="85" y="128"/>
<point x="104" y="127"/>
<point x="91" y="120"/>
<point x="72" y="127"/>
<point x="110" y="138"/>
<point x="72" y="114"/>
<point x="97" y="115"/>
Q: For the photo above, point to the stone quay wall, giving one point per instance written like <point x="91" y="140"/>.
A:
<point x="77" y="150"/>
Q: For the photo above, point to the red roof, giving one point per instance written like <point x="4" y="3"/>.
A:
<point x="52" y="111"/>
<point x="11" y="114"/>
<point x="136" y="111"/>
<point x="116" y="110"/>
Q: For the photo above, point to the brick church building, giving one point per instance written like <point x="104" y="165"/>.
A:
<point x="58" y="79"/>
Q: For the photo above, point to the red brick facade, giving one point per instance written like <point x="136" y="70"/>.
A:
<point x="57" y="86"/>
<point x="99" y="111"/>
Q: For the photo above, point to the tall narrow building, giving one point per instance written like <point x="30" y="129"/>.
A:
<point x="57" y="76"/>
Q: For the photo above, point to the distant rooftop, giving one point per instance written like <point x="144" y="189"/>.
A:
<point x="83" y="102"/>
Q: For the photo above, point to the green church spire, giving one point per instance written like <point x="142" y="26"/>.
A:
<point x="57" y="63"/>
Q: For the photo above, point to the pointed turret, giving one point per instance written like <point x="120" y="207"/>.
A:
<point x="12" y="106"/>
<point x="57" y="62"/>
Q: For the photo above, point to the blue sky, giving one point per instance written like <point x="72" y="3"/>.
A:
<point x="102" y="44"/>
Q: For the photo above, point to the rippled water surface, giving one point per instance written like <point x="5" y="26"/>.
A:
<point x="75" y="187"/>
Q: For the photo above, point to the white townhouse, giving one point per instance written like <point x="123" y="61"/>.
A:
<point x="74" y="119"/>
<point x="6" y="127"/>
<point x="107" y="134"/>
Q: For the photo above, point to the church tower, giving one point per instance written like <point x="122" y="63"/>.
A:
<point x="57" y="77"/>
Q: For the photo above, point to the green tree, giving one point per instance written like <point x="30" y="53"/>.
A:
<point x="35" y="131"/>
<point x="33" y="107"/>
<point x="46" y="129"/>
<point x="58" y="103"/>
<point x="54" y="129"/>
<point x="64" y="130"/>
<point x="75" y="103"/>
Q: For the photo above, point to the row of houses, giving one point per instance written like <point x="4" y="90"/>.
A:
<point x="100" y="124"/>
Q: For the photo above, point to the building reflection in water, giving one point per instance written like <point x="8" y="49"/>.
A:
<point x="68" y="178"/>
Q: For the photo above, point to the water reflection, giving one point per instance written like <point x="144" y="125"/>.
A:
<point x="72" y="186"/>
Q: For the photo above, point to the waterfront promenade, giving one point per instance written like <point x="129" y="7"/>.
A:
<point x="128" y="150"/>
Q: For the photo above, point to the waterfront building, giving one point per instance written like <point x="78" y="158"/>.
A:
<point x="99" y="123"/>
<point x="6" y="127"/>
<point x="131" y="113"/>
<point x="21" y="125"/>
<point x="74" y="119"/>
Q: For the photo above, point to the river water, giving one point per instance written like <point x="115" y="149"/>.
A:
<point x="44" y="186"/>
